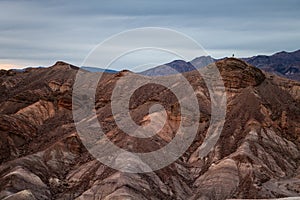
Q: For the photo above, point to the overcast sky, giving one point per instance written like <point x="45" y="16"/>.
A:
<point x="38" y="33"/>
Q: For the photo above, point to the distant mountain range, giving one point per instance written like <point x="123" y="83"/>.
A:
<point x="179" y="66"/>
<point x="90" y="69"/>
<point x="286" y="64"/>
<point x="96" y="69"/>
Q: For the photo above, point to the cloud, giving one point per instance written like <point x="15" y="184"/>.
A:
<point x="41" y="32"/>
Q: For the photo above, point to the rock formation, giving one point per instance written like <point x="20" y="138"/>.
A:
<point x="256" y="156"/>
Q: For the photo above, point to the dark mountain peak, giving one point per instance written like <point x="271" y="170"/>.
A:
<point x="287" y="55"/>
<point x="181" y="66"/>
<point x="203" y="58"/>
<point x="202" y="61"/>
<point x="176" y="61"/>
<point x="178" y="64"/>
<point x="297" y="52"/>
<point x="281" y="52"/>
<point x="97" y="69"/>
<point x="124" y="72"/>
<point x="63" y="65"/>
<point x="286" y="64"/>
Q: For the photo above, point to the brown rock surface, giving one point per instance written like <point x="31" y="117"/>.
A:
<point x="42" y="157"/>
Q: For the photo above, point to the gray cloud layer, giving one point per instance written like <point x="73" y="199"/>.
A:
<point x="41" y="32"/>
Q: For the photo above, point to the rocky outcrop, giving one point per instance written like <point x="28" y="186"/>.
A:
<point x="238" y="74"/>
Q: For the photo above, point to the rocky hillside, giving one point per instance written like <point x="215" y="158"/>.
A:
<point x="256" y="156"/>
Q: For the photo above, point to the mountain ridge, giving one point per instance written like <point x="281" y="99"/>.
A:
<point x="256" y="156"/>
<point x="285" y="64"/>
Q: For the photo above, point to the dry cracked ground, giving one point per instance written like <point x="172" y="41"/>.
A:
<point x="256" y="156"/>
